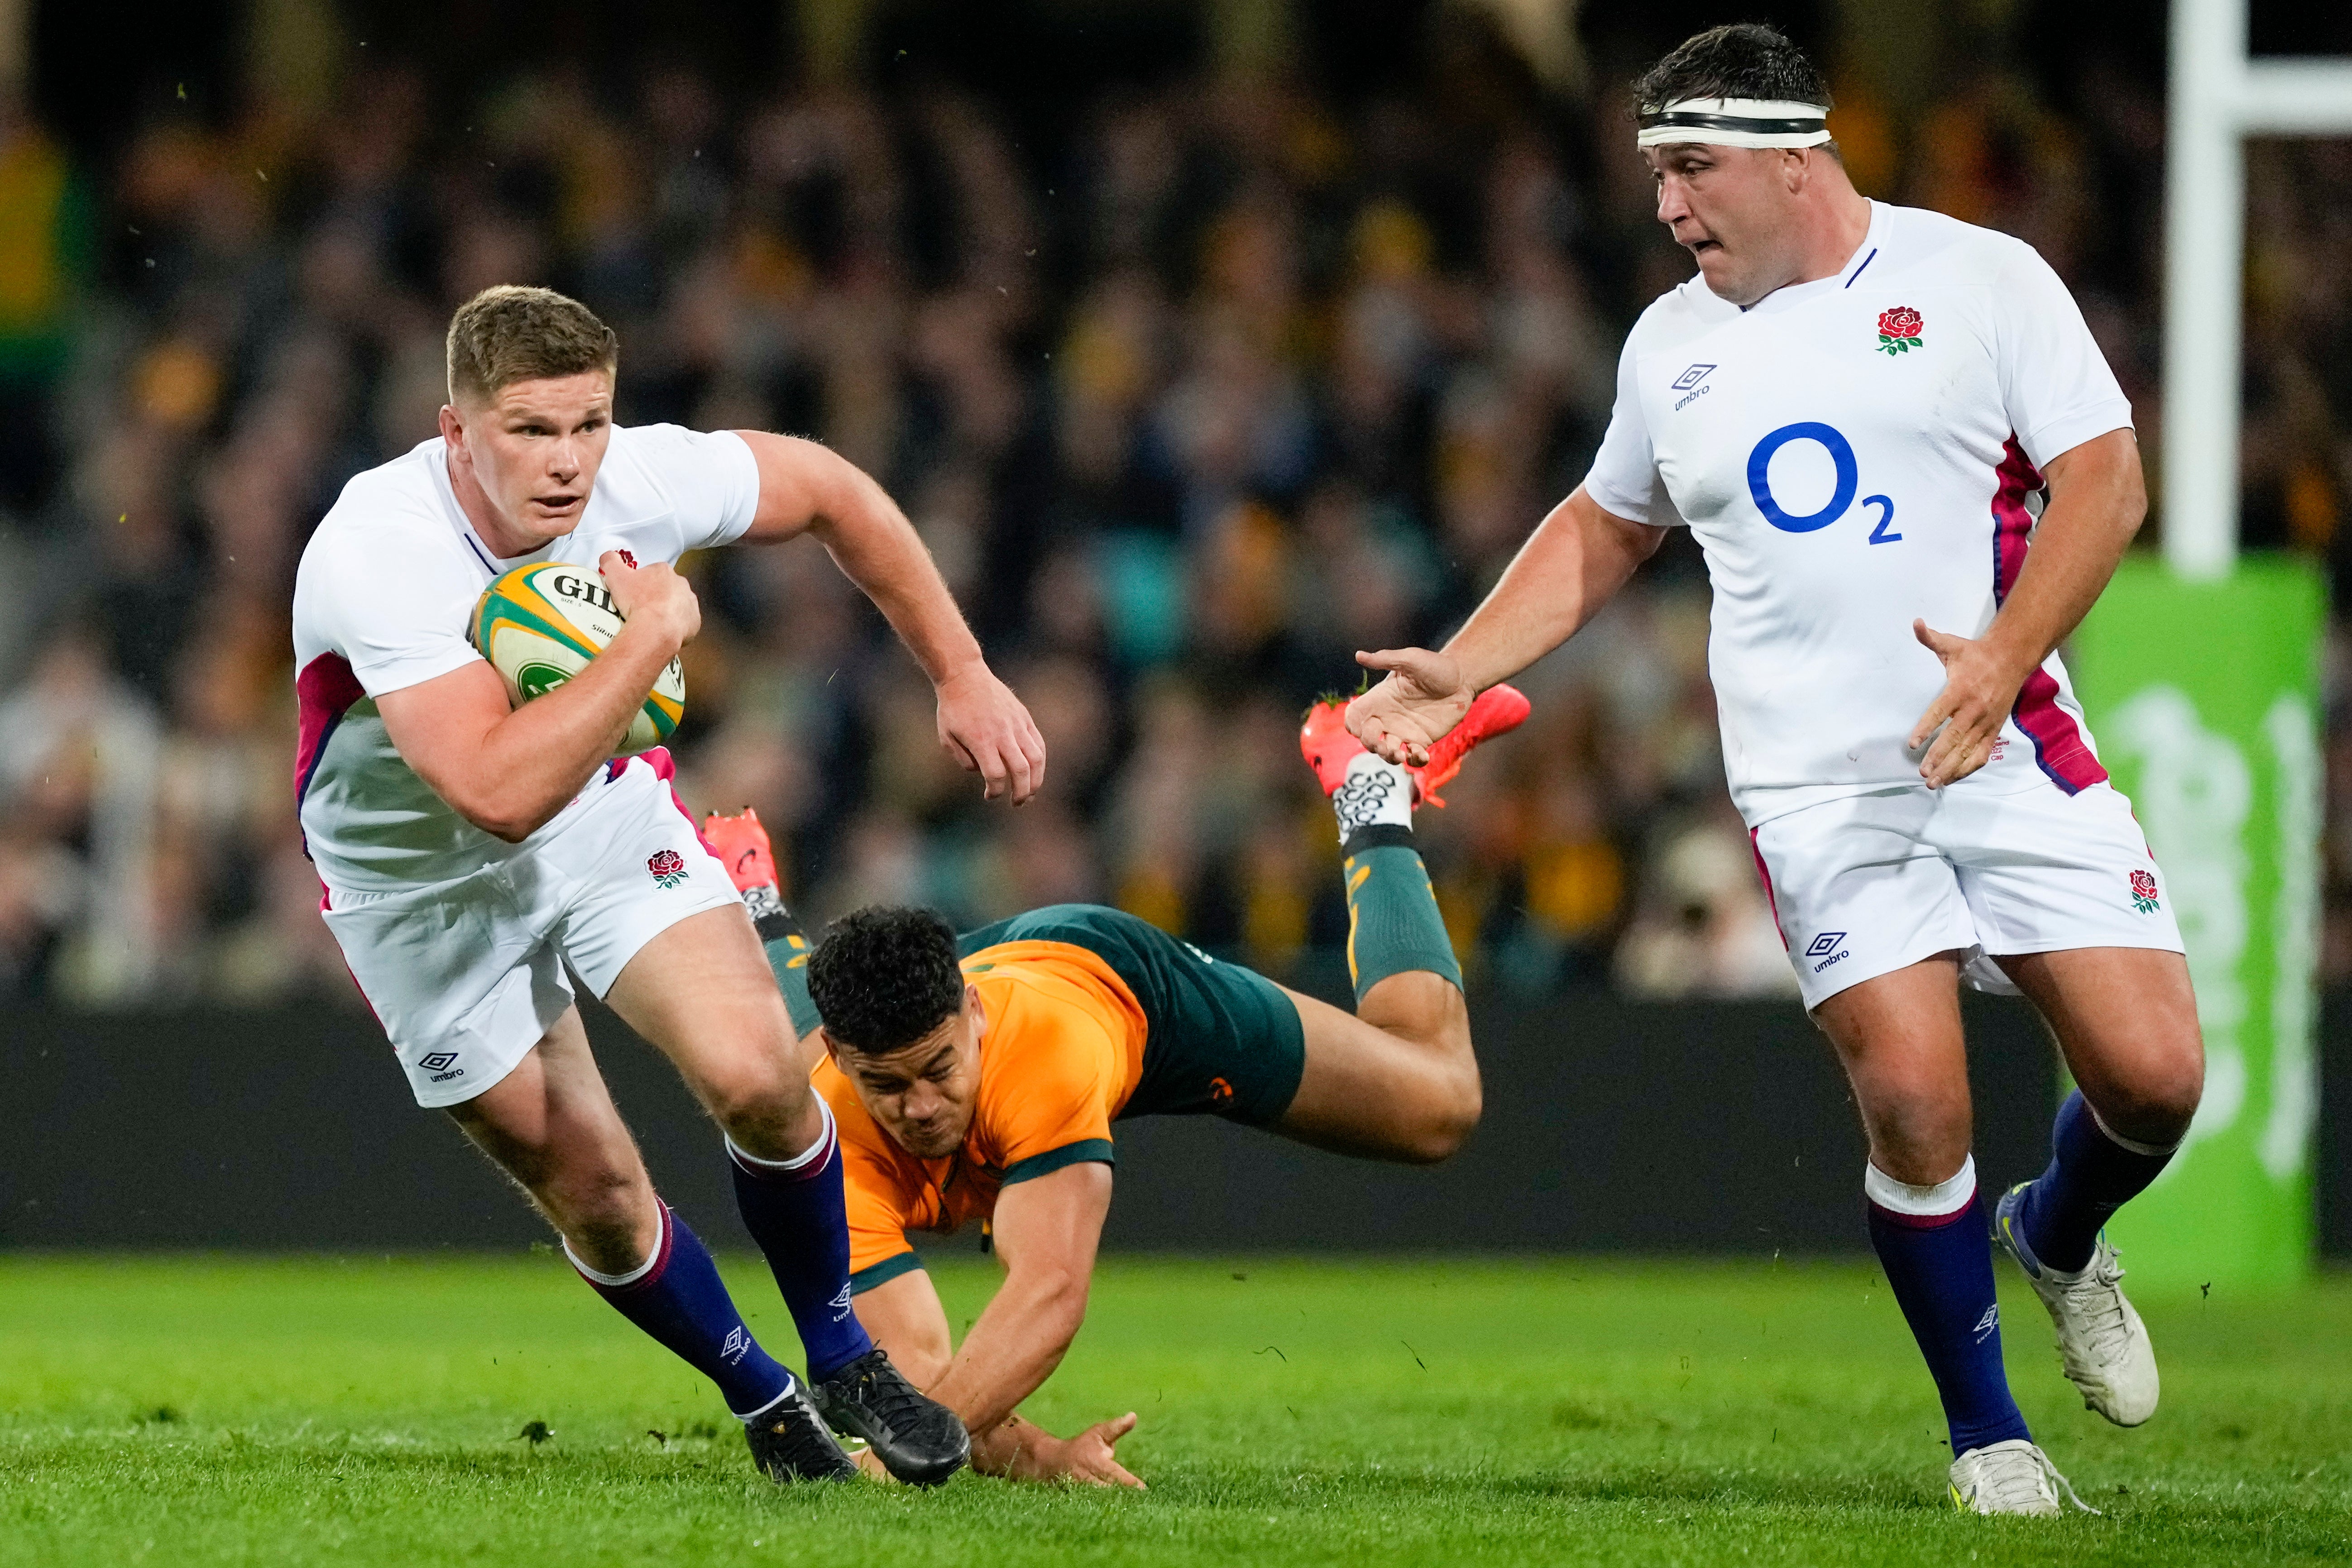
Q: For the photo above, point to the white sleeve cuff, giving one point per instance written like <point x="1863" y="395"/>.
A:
<point x="745" y="486"/>
<point x="414" y="669"/>
<point x="2060" y="436"/>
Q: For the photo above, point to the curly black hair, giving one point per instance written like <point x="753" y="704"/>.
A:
<point x="1742" y="59"/>
<point x="884" y="977"/>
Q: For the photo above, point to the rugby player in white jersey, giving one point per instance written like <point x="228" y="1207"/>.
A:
<point x="1865" y="412"/>
<point x="471" y="852"/>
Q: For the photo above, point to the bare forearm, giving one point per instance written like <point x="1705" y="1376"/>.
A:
<point x="877" y="549"/>
<point x="1020" y="1339"/>
<point x="508" y="771"/>
<point x="536" y="759"/>
<point x="1575" y="561"/>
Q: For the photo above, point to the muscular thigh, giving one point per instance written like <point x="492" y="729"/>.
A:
<point x="654" y="926"/>
<point x="551" y="1111"/>
<point x="702" y="993"/>
<point x="2069" y="903"/>
<point x="2125" y="1019"/>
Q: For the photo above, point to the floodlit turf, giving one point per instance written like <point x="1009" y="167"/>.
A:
<point x="360" y="1411"/>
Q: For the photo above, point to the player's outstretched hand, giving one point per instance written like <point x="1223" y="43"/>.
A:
<point x="1978" y="692"/>
<point x="1422" y="698"/>
<point x="984" y="727"/>
<point x="1088" y="1457"/>
<point x="655" y="593"/>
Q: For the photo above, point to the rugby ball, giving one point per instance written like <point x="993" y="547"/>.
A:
<point x="538" y="626"/>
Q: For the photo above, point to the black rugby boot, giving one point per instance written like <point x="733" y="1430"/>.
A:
<point x="918" y="1441"/>
<point x="790" y="1443"/>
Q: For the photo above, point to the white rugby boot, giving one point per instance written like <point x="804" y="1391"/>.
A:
<point x="2102" y="1343"/>
<point x="2013" y="1477"/>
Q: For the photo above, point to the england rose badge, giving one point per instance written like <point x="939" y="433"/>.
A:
<point x="1899" y="331"/>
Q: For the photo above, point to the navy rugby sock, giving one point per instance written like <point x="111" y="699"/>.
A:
<point x="793" y="1209"/>
<point x="2092" y="1173"/>
<point x="1932" y="1242"/>
<point x="678" y="1298"/>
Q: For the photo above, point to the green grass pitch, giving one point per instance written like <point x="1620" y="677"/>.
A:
<point x="359" y="1411"/>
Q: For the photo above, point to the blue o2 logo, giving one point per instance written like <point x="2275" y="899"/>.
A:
<point x="1760" y="476"/>
<point x="1849" y="480"/>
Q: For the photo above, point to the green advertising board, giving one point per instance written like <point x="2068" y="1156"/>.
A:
<point x="2204" y="698"/>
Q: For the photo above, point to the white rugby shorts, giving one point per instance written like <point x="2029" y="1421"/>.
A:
<point x="467" y="976"/>
<point x="1871" y="884"/>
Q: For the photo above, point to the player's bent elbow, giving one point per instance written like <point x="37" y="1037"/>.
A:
<point x="506" y="829"/>
<point x="489" y="815"/>
<point x="504" y="818"/>
<point x="1057" y="1297"/>
<point x="2114" y="480"/>
<point x="2132" y="506"/>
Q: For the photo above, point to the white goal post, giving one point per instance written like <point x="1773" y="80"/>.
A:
<point x="2219" y="98"/>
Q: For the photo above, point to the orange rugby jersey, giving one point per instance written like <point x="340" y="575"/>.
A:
<point x="1061" y="1056"/>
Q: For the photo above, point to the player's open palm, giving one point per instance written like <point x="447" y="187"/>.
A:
<point x="1423" y="696"/>
<point x="988" y="729"/>
<point x="1965" y="719"/>
<point x="1089" y="1457"/>
<point x="654" y="591"/>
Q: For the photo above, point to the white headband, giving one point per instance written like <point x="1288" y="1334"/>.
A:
<point x="1736" y="122"/>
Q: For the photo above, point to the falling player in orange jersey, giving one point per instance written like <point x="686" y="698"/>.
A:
<point x="977" y="1078"/>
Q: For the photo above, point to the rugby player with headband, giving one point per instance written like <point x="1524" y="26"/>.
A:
<point x="1736" y="122"/>
<point x="1912" y="474"/>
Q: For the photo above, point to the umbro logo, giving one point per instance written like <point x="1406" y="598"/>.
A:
<point x="437" y="1061"/>
<point x="1988" y="1323"/>
<point x="1692" y="377"/>
<point x="737" y="1341"/>
<point x="1825" y="944"/>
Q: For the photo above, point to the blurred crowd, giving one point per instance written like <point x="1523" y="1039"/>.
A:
<point x="1189" y="409"/>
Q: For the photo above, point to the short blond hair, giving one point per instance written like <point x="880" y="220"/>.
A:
<point x="507" y="333"/>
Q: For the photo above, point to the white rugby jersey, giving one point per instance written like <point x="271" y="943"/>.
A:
<point x="1853" y="453"/>
<point x="382" y="601"/>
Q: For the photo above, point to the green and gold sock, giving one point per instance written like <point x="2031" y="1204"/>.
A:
<point x="1392" y="920"/>
<point x="788" y="956"/>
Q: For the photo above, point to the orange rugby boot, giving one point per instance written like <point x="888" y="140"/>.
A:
<point x="1328" y="747"/>
<point x="1497" y="710"/>
<point x="742" y="844"/>
<point x="1323" y="741"/>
